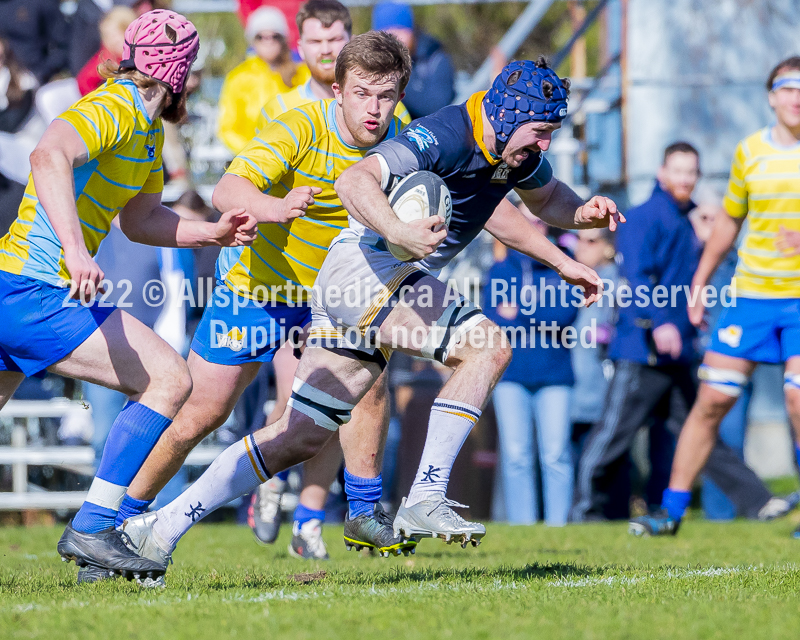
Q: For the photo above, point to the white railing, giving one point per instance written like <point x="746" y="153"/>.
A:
<point x="77" y="459"/>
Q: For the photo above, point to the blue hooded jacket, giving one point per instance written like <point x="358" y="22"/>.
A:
<point x="657" y="246"/>
<point x="533" y="365"/>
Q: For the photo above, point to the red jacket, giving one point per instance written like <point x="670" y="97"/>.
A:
<point x="88" y="78"/>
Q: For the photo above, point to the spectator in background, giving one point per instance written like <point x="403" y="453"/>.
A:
<point x="191" y="206"/>
<point x="532" y="400"/>
<point x="38" y="34"/>
<point x="250" y="85"/>
<point x="595" y="249"/>
<point x="17" y="87"/>
<point x="112" y="37"/>
<point x="289" y="8"/>
<point x="84" y="39"/>
<point x="653" y="347"/>
<point x="432" y="83"/>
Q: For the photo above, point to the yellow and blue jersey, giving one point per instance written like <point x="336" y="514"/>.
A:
<point x="124" y="159"/>
<point x="300" y="96"/>
<point x="303" y="147"/>
<point x="764" y="185"/>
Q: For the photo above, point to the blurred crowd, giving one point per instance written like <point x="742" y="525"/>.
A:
<point x="568" y="418"/>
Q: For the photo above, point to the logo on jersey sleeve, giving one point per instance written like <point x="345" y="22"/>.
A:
<point x="500" y="174"/>
<point x="233" y="340"/>
<point x="731" y="335"/>
<point x="422" y="137"/>
<point x="150" y="145"/>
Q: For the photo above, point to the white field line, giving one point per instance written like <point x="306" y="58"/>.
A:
<point x="497" y="585"/>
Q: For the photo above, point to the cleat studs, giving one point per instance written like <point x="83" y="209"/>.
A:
<point x="64" y="559"/>
<point x="359" y="547"/>
<point x="464" y="544"/>
<point x="413" y="550"/>
<point x="348" y="546"/>
<point x="448" y="538"/>
<point x="475" y="542"/>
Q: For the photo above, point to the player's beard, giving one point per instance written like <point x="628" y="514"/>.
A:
<point x="321" y="75"/>
<point x="175" y="112"/>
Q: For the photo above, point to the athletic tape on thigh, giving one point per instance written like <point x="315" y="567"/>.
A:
<point x="457" y="319"/>
<point x="726" y="381"/>
<point x="325" y="410"/>
<point x="791" y="380"/>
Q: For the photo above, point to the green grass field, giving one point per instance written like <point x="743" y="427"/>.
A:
<point x="739" y="579"/>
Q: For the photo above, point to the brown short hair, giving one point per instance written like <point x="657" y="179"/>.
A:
<point x="680" y="147"/>
<point x="377" y="54"/>
<point x="327" y="12"/>
<point x="790" y="64"/>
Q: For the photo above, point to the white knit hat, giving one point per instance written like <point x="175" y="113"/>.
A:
<point x="266" y="19"/>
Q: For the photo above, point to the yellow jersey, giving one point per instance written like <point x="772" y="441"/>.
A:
<point x="764" y="185"/>
<point x="246" y="89"/>
<point x="303" y="147"/>
<point x="124" y="148"/>
<point x="301" y="95"/>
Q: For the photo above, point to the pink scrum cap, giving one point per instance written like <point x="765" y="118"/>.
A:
<point x="161" y="44"/>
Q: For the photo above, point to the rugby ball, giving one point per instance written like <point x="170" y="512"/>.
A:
<point x="421" y="194"/>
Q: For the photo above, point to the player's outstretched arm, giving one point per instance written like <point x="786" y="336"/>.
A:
<point x="723" y="237"/>
<point x="359" y="188"/>
<point x="60" y="151"/>
<point x="145" y="220"/>
<point x="510" y="226"/>
<point x="236" y="192"/>
<point x="559" y="206"/>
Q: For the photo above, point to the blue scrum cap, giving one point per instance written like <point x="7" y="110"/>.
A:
<point x="517" y="97"/>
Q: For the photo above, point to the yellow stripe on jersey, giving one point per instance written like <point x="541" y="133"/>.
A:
<point x="124" y="149"/>
<point x="300" y="96"/>
<point x="299" y="148"/>
<point x="764" y="185"/>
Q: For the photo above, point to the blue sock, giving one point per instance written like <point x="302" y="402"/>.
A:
<point x="675" y="502"/>
<point x="362" y="493"/>
<point x="283" y="475"/>
<point x="303" y="514"/>
<point x="131" y="507"/>
<point x="131" y="439"/>
<point x="797" y="453"/>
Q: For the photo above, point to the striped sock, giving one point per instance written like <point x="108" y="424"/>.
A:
<point x="448" y="428"/>
<point x="133" y="435"/>
<point x="237" y="471"/>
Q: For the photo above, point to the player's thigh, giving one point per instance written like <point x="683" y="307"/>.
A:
<point x="285" y="365"/>
<point x="125" y="355"/>
<point x="339" y="373"/>
<point x="431" y="320"/>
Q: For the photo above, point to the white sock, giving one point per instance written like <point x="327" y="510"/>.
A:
<point x="448" y="428"/>
<point x="237" y="471"/>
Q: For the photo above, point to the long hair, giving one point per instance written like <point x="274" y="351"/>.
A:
<point x="175" y="107"/>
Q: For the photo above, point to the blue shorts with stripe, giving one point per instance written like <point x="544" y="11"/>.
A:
<point x="759" y="329"/>
<point x="236" y="330"/>
<point x="41" y="325"/>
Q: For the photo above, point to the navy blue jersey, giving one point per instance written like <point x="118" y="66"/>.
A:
<point x="447" y="144"/>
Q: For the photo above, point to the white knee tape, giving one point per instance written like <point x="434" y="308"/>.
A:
<point x="459" y="318"/>
<point x="791" y="380"/>
<point x="325" y="410"/>
<point x="725" y="381"/>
